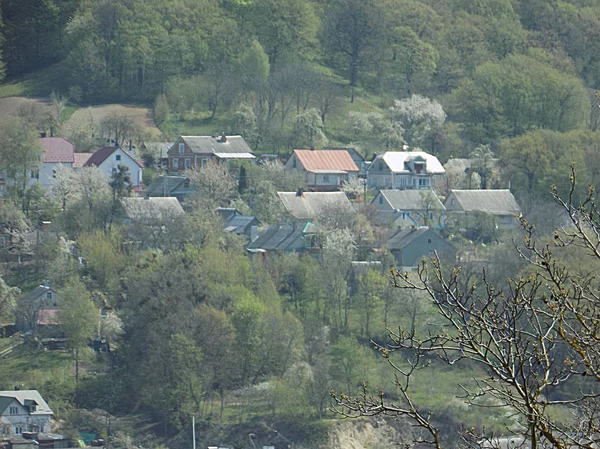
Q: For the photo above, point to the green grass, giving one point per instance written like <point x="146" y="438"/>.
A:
<point x="33" y="368"/>
<point x="39" y="83"/>
<point x="67" y="112"/>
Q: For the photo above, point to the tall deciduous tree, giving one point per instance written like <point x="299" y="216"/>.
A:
<point x="78" y="318"/>
<point x="21" y="151"/>
<point x="283" y="27"/>
<point x="352" y="28"/>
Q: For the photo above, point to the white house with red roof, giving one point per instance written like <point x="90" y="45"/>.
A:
<point x="57" y="150"/>
<point x="108" y="159"/>
<point x="323" y="170"/>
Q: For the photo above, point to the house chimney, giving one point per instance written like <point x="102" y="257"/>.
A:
<point x="43" y="134"/>
<point x="46" y="226"/>
<point x="300" y="192"/>
<point x="312" y="148"/>
<point x="223" y="137"/>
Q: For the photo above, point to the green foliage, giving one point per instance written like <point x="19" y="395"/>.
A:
<point x="516" y="95"/>
<point x="103" y="258"/>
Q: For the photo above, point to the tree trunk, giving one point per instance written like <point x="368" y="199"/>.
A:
<point x="76" y="366"/>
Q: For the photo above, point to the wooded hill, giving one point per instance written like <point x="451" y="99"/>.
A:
<point x="500" y="68"/>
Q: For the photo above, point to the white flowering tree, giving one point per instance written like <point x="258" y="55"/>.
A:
<point x="418" y="116"/>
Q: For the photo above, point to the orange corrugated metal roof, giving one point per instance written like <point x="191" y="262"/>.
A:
<point x="326" y="160"/>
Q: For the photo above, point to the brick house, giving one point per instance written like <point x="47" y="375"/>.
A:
<point x="195" y="151"/>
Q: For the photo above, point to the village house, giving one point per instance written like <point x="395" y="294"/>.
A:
<point x="404" y="208"/>
<point x="358" y="158"/>
<point x="410" y="245"/>
<point x="299" y="236"/>
<point x="23" y="411"/>
<point x="176" y="186"/>
<point x="470" y="206"/>
<point x="108" y="159"/>
<point x="57" y="151"/>
<point x="235" y="222"/>
<point x="323" y="170"/>
<point x="37" y="312"/>
<point x="312" y="205"/>
<point x="195" y="151"/>
<point x="156" y="153"/>
<point x="404" y="170"/>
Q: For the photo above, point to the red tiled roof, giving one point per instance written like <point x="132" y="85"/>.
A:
<point x="48" y="317"/>
<point x="57" y="150"/>
<point x="326" y="160"/>
<point x="81" y="159"/>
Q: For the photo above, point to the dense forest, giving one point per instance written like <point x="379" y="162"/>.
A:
<point x="197" y="327"/>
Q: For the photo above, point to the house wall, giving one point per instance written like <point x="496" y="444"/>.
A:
<point x="26" y="311"/>
<point x="380" y="176"/>
<point x="22" y="421"/>
<point x="410" y="217"/>
<point x="111" y="163"/>
<point x="332" y="180"/>
<point x="179" y="162"/>
<point x="45" y="174"/>
<point x="424" y="246"/>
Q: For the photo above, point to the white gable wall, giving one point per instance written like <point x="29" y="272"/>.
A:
<point x="120" y="157"/>
<point x="16" y="420"/>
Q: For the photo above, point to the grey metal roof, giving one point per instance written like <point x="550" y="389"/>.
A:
<point x="310" y="205"/>
<point x="400" y="238"/>
<point x="212" y="145"/>
<point x="285" y="236"/>
<point x="495" y="202"/>
<point x="239" y="223"/>
<point x="36" y="293"/>
<point x="151" y="208"/>
<point x="168" y="185"/>
<point x="25" y="395"/>
<point x="411" y="199"/>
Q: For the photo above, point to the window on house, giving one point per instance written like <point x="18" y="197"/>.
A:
<point x="423" y="182"/>
<point x="118" y="157"/>
<point x="404" y="215"/>
<point x="452" y="202"/>
<point x="187" y="163"/>
<point x="181" y="148"/>
<point x="326" y="178"/>
<point x="380" y="199"/>
<point x="380" y="166"/>
<point x="294" y="163"/>
<point x="18" y="430"/>
<point x="13" y="410"/>
<point x="431" y="215"/>
<point x="175" y="163"/>
<point x="49" y="296"/>
<point x="428" y="240"/>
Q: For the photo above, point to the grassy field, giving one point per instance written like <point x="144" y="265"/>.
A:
<point x="93" y="116"/>
<point x="36" y="84"/>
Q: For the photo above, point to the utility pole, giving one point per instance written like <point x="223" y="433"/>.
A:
<point x="193" y="432"/>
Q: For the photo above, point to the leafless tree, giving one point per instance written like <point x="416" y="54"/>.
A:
<point x="536" y="338"/>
